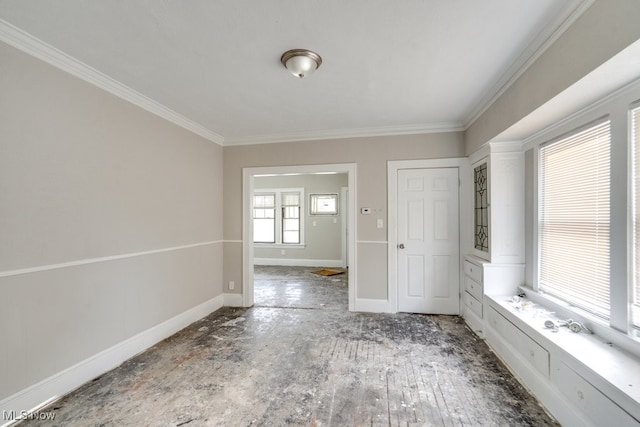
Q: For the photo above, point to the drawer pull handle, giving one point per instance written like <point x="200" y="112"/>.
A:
<point x="580" y="395"/>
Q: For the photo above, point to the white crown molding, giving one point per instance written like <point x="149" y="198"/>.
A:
<point x="33" y="46"/>
<point x="528" y="57"/>
<point x="345" y="133"/>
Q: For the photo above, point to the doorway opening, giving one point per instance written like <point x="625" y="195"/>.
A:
<point x="285" y="202"/>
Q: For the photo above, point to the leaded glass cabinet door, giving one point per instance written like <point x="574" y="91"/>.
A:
<point x="481" y="207"/>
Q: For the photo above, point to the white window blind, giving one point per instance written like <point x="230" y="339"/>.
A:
<point x="635" y="138"/>
<point x="290" y="217"/>
<point x="264" y="218"/>
<point x="574" y="211"/>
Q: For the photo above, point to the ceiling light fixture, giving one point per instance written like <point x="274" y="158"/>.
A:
<point x="301" y="62"/>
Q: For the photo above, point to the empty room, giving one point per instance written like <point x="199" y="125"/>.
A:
<point x="320" y="213"/>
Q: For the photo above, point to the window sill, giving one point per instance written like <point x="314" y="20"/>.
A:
<point x="600" y="328"/>
<point x="280" y="245"/>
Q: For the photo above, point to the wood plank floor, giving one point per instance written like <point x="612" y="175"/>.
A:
<point x="291" y="361"/>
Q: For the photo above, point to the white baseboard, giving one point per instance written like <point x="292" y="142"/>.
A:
<point x="233" y="300"/>
<point x="63" y="382"/>
<point x="372" y="305"/>
<point x="334" y="263"/>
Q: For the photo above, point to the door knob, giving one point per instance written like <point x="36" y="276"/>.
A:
<point x="401" y="246"/>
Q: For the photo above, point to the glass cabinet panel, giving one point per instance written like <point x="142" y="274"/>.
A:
<point x="481" y="208"/>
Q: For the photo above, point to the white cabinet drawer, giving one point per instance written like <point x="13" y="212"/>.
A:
<point x="473" y="304"/>
<point x="473" y="288"/>
<point x="530" y="350"/>
<point x="474" y="322"/>
<point x="474" y="271"/>
<point x="589" y="400"/>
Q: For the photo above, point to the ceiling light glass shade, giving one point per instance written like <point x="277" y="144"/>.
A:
<point x="301" y="62"/>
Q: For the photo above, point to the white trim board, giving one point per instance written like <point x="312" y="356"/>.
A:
<point x="415" y="129"/>
<point x="247" y="223"/>
<point x="100" y="259"/>
<point x="232" y="300"/>
<point x="35" y="47"/>
<point x="335" y="263"/>
<point x="73" y="377"/>
<point x="370" y="305"/>
<point x="464" y="195"/>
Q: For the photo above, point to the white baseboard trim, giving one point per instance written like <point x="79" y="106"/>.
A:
<point x="372" y="305"/>
<point x="233" y="300"/>
<point x="63" y="382"/>
<point x="335" y="263"/>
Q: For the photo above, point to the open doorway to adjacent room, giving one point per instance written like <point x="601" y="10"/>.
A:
<point x="299" y="236"/>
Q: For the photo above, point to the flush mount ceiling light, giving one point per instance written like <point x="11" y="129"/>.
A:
<point x="301" y="62"/>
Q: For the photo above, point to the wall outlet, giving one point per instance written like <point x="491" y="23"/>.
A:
<point x="232" y="285"/>
<point x="380" y="223"/>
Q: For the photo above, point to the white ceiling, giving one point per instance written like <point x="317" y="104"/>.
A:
<point x="389" y="67"/>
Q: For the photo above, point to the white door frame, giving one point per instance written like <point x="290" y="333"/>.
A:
<point x="247" y="224"/>
<point x="465" y="219"/>
<point x="344" y="201"/>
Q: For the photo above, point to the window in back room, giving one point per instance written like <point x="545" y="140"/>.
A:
<point x="277" y="216"/>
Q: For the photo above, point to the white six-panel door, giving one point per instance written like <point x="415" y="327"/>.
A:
<point x="428" y="241"/>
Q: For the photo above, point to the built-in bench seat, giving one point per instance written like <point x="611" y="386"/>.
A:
<point x="578" y="377"/>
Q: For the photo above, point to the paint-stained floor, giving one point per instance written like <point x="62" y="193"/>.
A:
<point x="292" y="360"/>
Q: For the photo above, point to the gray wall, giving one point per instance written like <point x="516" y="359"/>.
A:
<point x="323" y="241"/>
<point x="604" y="30"/>
<point x="97" y="197"/>
<point x="370" y="155"/>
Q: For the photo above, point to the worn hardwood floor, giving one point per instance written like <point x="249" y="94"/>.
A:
<point x="300" y="358"/>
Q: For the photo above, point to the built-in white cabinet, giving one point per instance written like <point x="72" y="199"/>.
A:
<point x="484" y="278"/>
<point x="595" y="405"/>
<point x="473" y="294"/>
<point x="498" y="203"/>
<point x="495" y="260"/>
<point x="526" y="348"/>
<point x="559" y="369"/>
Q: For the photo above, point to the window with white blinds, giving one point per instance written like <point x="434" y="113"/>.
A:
<point x="277" y="216"/>
<point x="635" y="144"/>
<point x="574" y="212"/>
<point x="290" y="217"/>
<point x="264" y="218"/>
